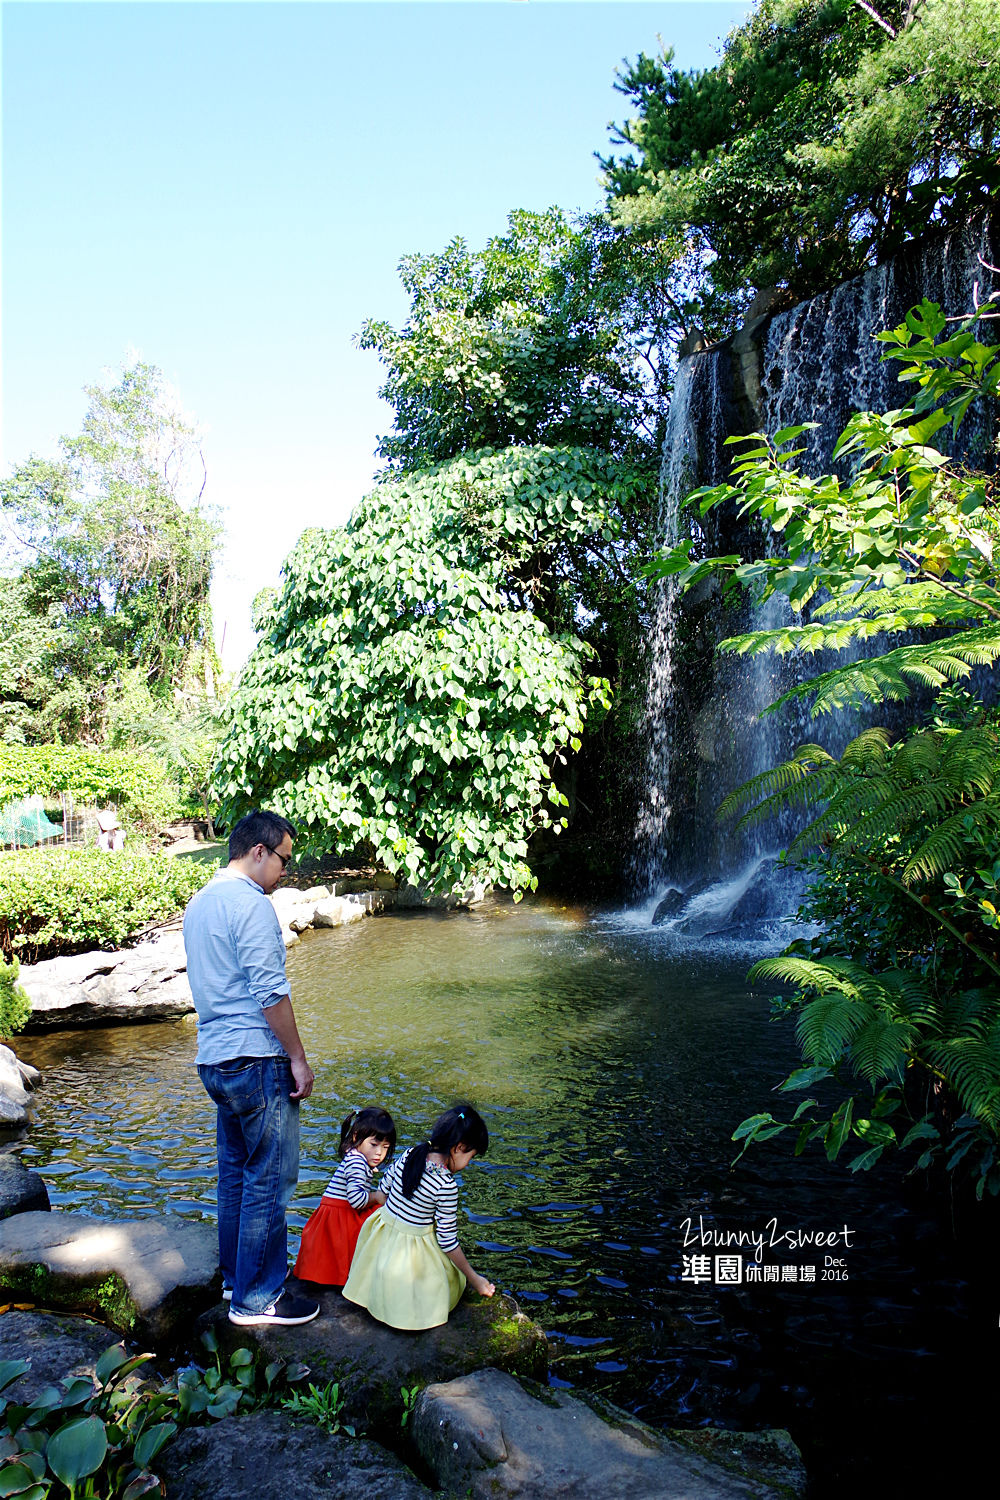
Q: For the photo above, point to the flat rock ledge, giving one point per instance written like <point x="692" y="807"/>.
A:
<point x="148" y="1278"/>
<point x="144" y="983"/>
<point x="485" y="1435"/>
<point x="271" y="1457"/>
<point x="374" y="1363"/>
<point x="482" y="1435"/>
<point x="266" y="1454"/>
<point x="18" y="1080"/>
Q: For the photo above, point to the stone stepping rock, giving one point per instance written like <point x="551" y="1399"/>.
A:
<point x="373" y="1362"/>
<point x="484" y="1435"/>
<point x="146" y="1277"/>
<point x="270" y="1457"/>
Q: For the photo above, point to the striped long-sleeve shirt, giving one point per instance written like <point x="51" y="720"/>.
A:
<point x="435" y="1200"/>
<point x="352" y="1181"/>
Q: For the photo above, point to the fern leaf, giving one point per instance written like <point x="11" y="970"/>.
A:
<point x="881" y="1047"/>
<point x="827" y="1025"/>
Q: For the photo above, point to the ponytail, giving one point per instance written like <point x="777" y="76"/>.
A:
<point x="459" y="1126"/>
<point x="413" y="1168"/>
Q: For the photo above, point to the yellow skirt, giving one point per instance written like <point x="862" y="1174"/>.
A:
<point x="401" y="1274"/>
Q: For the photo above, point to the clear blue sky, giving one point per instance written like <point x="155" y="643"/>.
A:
<point x="227" y="189"/>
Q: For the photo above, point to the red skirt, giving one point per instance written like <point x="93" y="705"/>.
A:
<point x="328" y="1242"/>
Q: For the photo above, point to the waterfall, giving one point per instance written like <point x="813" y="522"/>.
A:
<point x="699" y="410"/>
<point x="818" y="361"/>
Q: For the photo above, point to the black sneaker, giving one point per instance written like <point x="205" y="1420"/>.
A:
<point x="288" y="1310"/>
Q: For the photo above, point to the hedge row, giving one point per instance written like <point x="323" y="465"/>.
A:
<point x="55" y="901"/>
<point x="137" y="783"/>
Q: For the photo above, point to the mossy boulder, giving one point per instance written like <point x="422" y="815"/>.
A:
<point x="145" y="1277"/>
<point x="374" y="1364"/>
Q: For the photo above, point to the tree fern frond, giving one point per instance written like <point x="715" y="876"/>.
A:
<point x="830" y="974"/>
<point x="827" y="1025"/>
<point x="924" y="596"/>
<point x="868" y="749"/>
<point x="807" y="793"/>
<point x="972" y="1065"/>
<point x="888" y="677"/>
<point x="944" y="846"/>
<point x="880" y="1048"/>
<point x="908" y="998"/>
<point x="967" y="1011"/>
<point x="793" y="772"/>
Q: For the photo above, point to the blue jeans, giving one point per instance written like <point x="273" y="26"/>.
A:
<point x="257" y="1132"/>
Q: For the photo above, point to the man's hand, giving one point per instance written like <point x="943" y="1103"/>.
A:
<point x="281" y="1019"/>
<point x="304" y="1078"/>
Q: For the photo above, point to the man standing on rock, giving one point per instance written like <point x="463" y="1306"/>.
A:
<point x="253" y="1065"/>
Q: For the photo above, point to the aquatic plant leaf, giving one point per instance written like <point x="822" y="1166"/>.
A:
<point x="76" y="1450"/>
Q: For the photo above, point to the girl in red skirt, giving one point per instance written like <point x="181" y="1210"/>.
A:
<point x="367" y="1139"/>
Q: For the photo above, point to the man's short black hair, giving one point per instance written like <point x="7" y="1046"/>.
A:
<point x="258" y="828"/>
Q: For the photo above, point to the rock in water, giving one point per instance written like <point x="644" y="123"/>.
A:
<point x="270" y="1457"/>
<point x="17" y="1080"/>
<point x="21" y="1191"/>
<point x="486" y="1436"/>
<point x="373" y="1362"/>
<point x="147" y="1277"/>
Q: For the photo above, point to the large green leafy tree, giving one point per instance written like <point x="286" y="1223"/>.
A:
<point x="550" y="334"/>
<point x="829" y="133"/>
<point x="107" y="558"/>
<point x="419" y="676"/>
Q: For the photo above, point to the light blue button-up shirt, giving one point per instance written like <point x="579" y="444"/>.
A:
<point x="235" y="966"/>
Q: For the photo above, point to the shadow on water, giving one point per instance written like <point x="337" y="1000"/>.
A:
<point x="611" y="1063"/>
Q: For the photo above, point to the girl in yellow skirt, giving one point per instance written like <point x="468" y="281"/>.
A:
<point x="367" y="1138"/>
<point x="408" y="1268"/>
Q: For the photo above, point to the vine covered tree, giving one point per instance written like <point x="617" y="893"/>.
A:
<point x="551" y="334"/>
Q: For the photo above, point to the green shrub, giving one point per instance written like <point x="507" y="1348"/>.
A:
<point x="135" y="782"/>
<point x="15" y="1007"/>
<point x="55" y="901"/>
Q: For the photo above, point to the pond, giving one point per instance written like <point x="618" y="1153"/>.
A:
<point x="611" y="1065"/>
